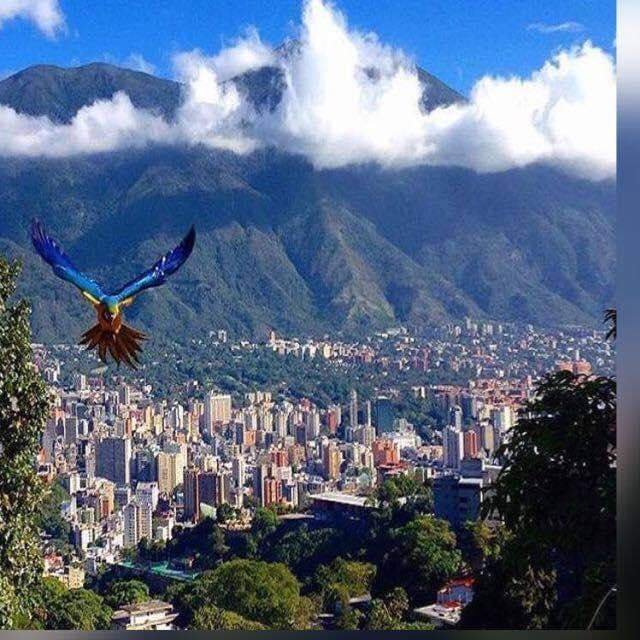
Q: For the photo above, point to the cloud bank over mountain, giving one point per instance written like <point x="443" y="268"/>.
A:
<point x="348" y="99"/>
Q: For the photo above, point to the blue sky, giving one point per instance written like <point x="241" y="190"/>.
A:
<point x="457" y="40"/>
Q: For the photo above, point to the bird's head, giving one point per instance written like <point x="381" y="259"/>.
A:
<point x="111" y="307"/>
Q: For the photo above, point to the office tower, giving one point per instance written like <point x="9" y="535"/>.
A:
<point x="80" y="382"/>
<point x="367" y="413"/>
<point x="353" y="409"/>
<point x="502" y="418"/>
<point x="366" y="435"/>
<point x="301" y="435"/>
<point x="488" y="440"/>
<point x="170" y="471"/>
<point x="238" y="470"/>
<point x="177" y="417"/>
<point x="383" y="415"/>
<point x="453" y="447"/>
<point x="333" y="418"/>
<point x="214" y="488"/>
<point x="132" y="524"/>
<point x="470" y="444"/>
<point x="455" y="416"/>
<point x="331" y="461"/>
<point x="385" y="452"/>
<point x="272" y="492"/>
<point x="145" y="465"/>
<point x="145" y="521"/>
<point x="138" y="523"/>
<point x="312" y="419"/>
<point x="113" y="460"/>
<point x="217" y="411"/>
<point x="148" y="493"/>
<point x="124" y="395"/>
<point x="70" y="429"/>
<point x="192" y="494"/>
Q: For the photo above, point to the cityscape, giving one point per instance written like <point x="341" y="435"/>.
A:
<point x="308" y="316"/>
<point x="136" y="466"/>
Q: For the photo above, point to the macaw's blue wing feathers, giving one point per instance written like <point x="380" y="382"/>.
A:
<point x="157" y="275"/>
<point x="53" y="254"/>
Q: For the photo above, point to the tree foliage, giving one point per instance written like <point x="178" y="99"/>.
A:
<point x="265" y="592"/>
<point x="60" y="608"/>
<point x="423" y="555"/>
<point x="355" y="578"/>
<point x="121" y="592"/>
<point x="212" y="618"/>
<point x="556" y="496"/>
<point x="23" y="412"/>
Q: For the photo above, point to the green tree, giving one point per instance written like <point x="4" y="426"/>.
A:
<point x="23" y="413"/>
<point x="265" y="592"/>
<point x="51" y="520"/>
<point x="212" y="618"/>
<point x="388" y="614"/>
<point x="225" y="512"/>
<point x="265" y="522"/>
<point x="422" y="557"/>
<point x="556" y="495"/>
<point x="121" y="592"/>
<point x="355" y="578"/>
<point x="61" y="608"/>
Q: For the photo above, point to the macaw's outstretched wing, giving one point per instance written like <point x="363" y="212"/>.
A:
<point x="53" y="254"/>
<point x="157" y="275"/>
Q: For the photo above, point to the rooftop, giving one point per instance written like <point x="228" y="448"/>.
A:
<point x="340" y="498"/>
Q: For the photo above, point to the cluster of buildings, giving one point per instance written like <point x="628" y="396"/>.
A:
<point x="135" y="464"/>
<point x="482" y="349"/>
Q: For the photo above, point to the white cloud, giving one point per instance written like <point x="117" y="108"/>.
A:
<point x="563" y="27"/>
<point x="45" y="14"/>
<point x="137" y="62"/>
<point x="245" y="54"/>
<point x="106" y="125"/>
<point x="336" y="112"/>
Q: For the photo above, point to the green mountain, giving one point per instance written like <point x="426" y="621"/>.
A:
<point x="283" y="245"/>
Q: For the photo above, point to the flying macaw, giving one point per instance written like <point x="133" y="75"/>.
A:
<point x="111" y="334"/>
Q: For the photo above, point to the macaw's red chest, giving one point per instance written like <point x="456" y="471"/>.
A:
<point x="108" y="322"/>
<point x="113" y="336"/>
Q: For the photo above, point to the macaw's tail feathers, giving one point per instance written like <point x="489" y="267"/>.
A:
<point x="123" y="346"/>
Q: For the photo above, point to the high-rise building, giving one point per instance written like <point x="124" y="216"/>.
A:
<point x="113" y="460"/>
<point x="453" y="447"/>
<point x="214" y="487"/>
<point x="383" y="415"/>
<point x="238" y="470"/>
<point x="502" y="418"/>
<point x="272" y="491"/>
<point x="192" y="494"/>
<point x="148" y="493"/>
<point x="170" y="471"/>
<point x="367" y="413"/>
<point x="353" y="409"/>
<point x="217" y="411"/>
<point x="331" y="461"/>
<point x="470" y="444"/>
<point x="385" y="452"/>
<point x="131" y="533"/>
<point x="145" y="465"/>
<point x="124" y="395"/>
<point x="455" y="416"/>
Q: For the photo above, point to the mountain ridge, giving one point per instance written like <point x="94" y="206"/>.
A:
<point x="283" y="245"/>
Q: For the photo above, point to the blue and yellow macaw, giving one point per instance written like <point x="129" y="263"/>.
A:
<point x="111" y="334"/>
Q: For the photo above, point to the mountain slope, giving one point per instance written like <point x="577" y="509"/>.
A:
<point x="283" y="245"/>
<point x="56" y="92"/>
